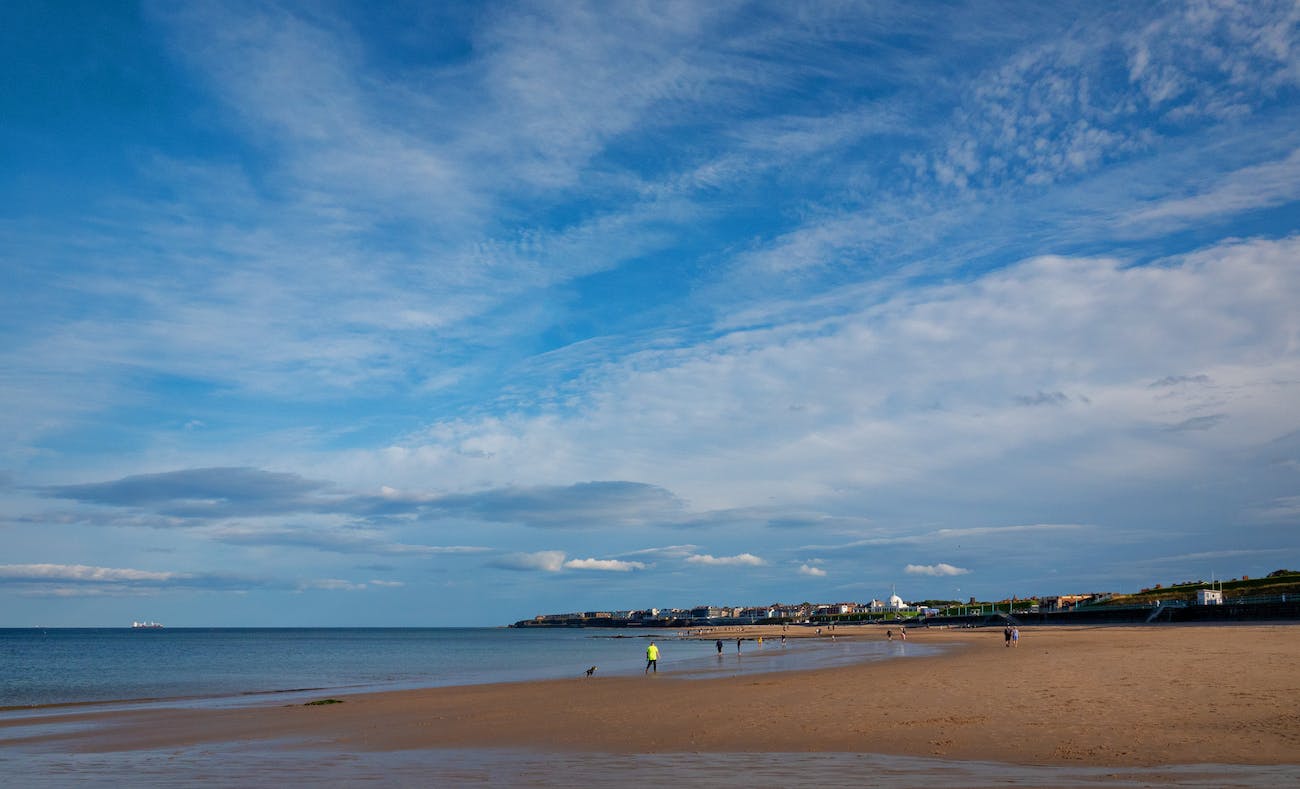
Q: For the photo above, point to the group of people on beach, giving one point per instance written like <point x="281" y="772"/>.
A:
<point x="652" y="652"/>
<point x="1011" y="636"/>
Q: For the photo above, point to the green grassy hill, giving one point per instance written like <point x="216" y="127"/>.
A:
<point x="1280" y="582"/>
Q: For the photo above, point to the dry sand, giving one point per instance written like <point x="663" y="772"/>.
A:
<point x="1136" y="696"/>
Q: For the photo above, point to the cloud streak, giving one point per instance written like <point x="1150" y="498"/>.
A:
<point x="79" y="580"/>
<point x="739" y="560"/>
<point x="940" y="570"/>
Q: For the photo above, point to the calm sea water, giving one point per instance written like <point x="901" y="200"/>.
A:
<point x="57" y="666"/>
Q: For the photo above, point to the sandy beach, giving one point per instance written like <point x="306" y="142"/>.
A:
<point x="1121" y="696"/>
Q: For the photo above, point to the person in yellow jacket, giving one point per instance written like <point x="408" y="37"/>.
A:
<point x="652" y="658"/>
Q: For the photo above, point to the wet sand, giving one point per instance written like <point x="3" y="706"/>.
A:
<point x="1119" y="696"/>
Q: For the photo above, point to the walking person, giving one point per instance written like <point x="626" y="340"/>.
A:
<point x="719" y="646"/>
<point x="1015" y="636"/>
<point x="652" y="658"/>
<point x="1006" y="636"/>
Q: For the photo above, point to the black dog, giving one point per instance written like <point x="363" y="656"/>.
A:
<point x="591" y="671"/>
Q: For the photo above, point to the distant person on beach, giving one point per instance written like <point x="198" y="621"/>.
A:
<point x="782" y="639"/>
<point x="889" y="634"/>
<point x="652" y="658"/>
<point x="902" y="634"/>
<point x="1015" y="636"/>
<point x="738" y="646"/>
<point x="719" y="645"/>
<point x="1006" y="636"/>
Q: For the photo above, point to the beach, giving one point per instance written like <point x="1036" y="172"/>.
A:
<point x="1111" y="696"/>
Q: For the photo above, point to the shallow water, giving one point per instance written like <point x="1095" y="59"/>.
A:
<point x="235" y="766"/>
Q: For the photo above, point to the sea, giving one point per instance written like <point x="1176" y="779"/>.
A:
<point x="229" y="665"/>
<point x="48" y="672"/>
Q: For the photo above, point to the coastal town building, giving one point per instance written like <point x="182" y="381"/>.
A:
<point x="833" y="609"/>
<point x="894" y="604"/>
<point x="707" y="612"/>
<point x="1065" y="602"/>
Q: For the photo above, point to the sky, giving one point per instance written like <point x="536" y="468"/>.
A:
<point x="444" y="314"/>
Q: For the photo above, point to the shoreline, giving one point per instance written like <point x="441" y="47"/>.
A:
<point x="695" y="667"/>
<point x="1132" y="696"/>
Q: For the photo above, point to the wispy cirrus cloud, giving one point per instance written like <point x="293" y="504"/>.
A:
<point x="72" y="580"/>
<point x="1206" y="422"/>
<point x="337" y="540"/>
<point x="940" y="570"/>
<point x="582" y="505"/>
<point x="664" y="552"/>
<point x="83" y="573"/>
<point x="1282" y="510"/>
<point x="1254" y="187"/>
<point x="330" y="585"/>
<point x="739" y="560"/>
<point x="952" y="535"/>
<point x="1225" y="554"/>
<point x="197" y="495"/>
<point x="545" y="561"/>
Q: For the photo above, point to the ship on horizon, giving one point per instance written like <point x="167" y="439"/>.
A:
<point x="146" y="626"/>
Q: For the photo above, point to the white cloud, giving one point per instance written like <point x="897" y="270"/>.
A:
<point x="79" y="572"/>
<point x="1284" y="508"/>
<point x="1217" y="60"/>
<point x="810" y="570"/>
<point x="331" y="585"/>
<point x="546" y="561"/>
<point x="739" y="560"/>
<point x="666" y="552"/>
<point x="1222" y="555"/>
<point x="328" y="538"/>
<point x="941" y="569"/>
<point x="1258" y="186"/>
<point x="610" y="565"/>
<point x="950" y="368"/>
<point x="555" y="561"/>
<point x="79" y="580"/>
<point x="974" y="533"/>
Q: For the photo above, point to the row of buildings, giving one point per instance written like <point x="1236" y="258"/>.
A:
<point x="892" y="607"/>
<point x="723" y="615"/>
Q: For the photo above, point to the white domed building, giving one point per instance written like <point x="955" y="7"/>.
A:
<point x="894" y="604"/>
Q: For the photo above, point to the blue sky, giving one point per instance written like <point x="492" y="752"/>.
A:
<point x="345" y="314"/>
